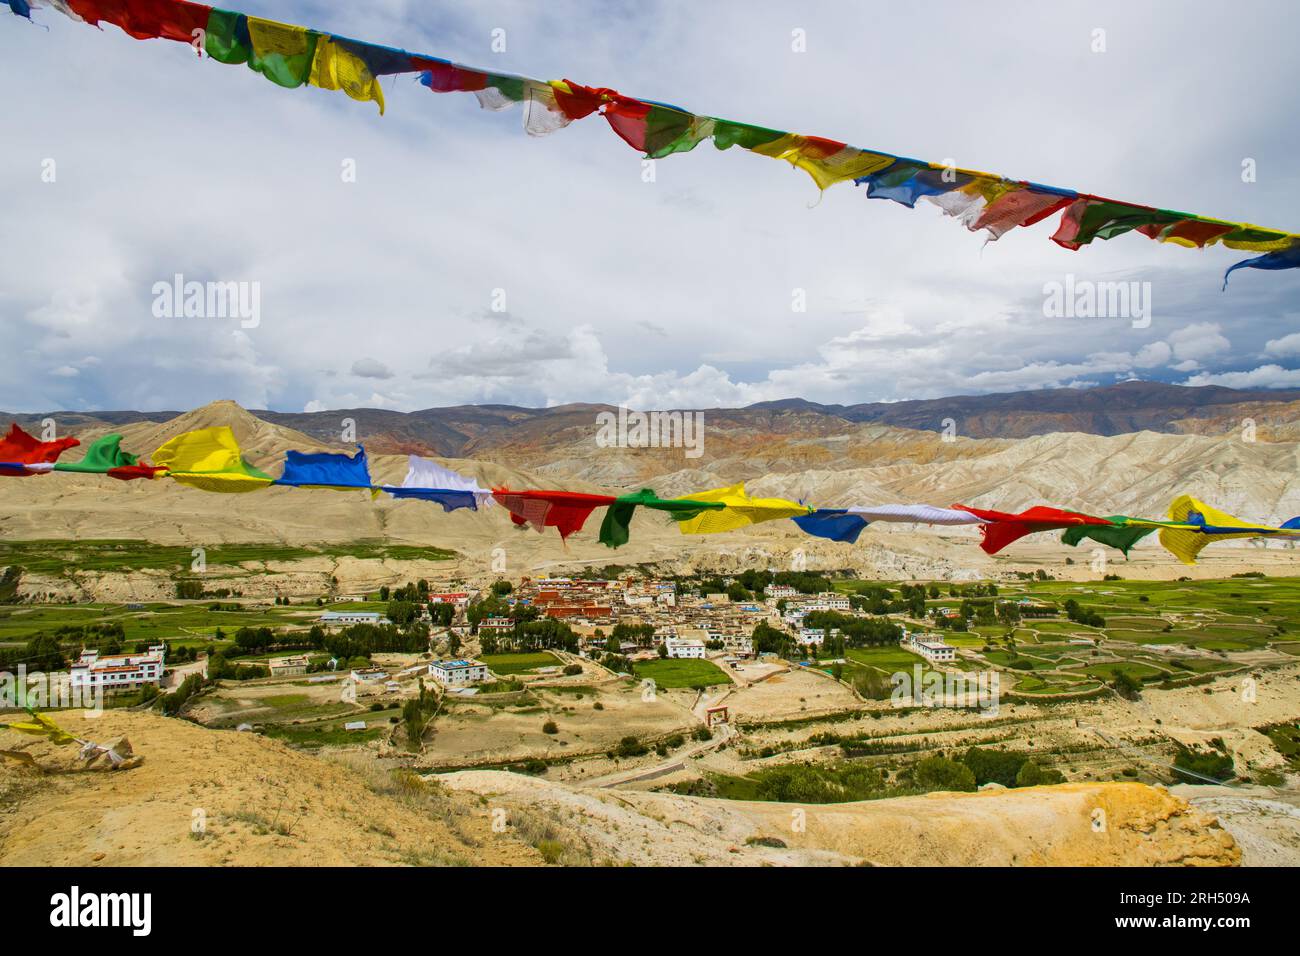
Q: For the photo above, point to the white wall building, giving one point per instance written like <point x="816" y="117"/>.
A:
<point x="334" y="618"/>
<point x="932" y="647"/>
<point x="830" y="601"/>
<point x="775" y="592"/>
<point x="454" y="673"/>
<point x="288" y="666"/>
<point x="811" y="635"/>
<point x="118" y="671"/>
<point x="684" y="647"/>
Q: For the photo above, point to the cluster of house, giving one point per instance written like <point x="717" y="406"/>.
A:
<point x="799" y="606"/>
<point x="685" y="624"/>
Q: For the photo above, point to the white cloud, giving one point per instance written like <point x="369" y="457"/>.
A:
<point x="1266" y="376"/>
<point x="1285" y="347"/>
<point x="1199" y="341"/>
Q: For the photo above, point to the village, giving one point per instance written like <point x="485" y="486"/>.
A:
<point x="635" y="619"/>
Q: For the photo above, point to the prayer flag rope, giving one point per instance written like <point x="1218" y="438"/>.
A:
<point x="210" y="459"/>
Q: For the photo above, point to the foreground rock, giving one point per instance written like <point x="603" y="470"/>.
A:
<point x="1102" y="824"/>
<point x="222" y="798"/>
<point x="207" y="797"/>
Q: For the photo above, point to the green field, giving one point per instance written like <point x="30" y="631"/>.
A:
<point x="681" y="673"/>
<point x="506" y="664"/>
<point x="1134" y="669"/>
<point x="56" y="558"/>
<point x="189" y="623"/>
<point x="887" y="660"/>
<point x="1057" y="684"/>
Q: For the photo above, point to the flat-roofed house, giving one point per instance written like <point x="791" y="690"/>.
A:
<point x="118" y="671"/>
<point x="338" y="618"/>
<point x="288" y="666"/>
<point x="685" y="647"/>
<point x="459" y="671"/>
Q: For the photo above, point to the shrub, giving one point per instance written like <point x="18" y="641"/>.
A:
<point x="1032" y="775"/>
<point x="550" y="728"/>
<point x="939" y="773"/>
<point x="994" y="766"/>
<point x="630" y="747"/>
<point x="1212" y="764"/>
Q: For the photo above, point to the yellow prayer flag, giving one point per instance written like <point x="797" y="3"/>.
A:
<point x="270" y="37"/>
<point x="41" y="726"/>
<point x="826" y="171"/>
<point x="209" y="459"/>
<point x="740" y="510"/>
<point x="1186" y="545"/>
<point x="335" y="68"/>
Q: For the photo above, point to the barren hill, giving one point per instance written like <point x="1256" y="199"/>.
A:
<point x="206" y="797"/>
<point x="1135" y="474"/>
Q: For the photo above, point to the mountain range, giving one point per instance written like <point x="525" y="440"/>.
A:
<point x="1197" y="444"/>
<point x="478" y="430"/>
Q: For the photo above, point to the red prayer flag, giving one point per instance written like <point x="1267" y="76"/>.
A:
<point x="566" y="511"/>
<point x="147" y="19"/>
<point x="20" y="448"/>
<point x="581" y="101"/>
<point x="138" y="470"/>
<point x="448" y="77"/>
<point x="1004" y="528"/>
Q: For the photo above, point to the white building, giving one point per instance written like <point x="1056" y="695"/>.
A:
<point x="458" y="598"/>
<point x="684" y="647"/>
<point x="741" y="644"/>
<point x="776" y="592"/>
<point x="931" y="647"/>
<point x="288" y="666"/>
<point x="811" y="635"/>
<point x="453" y="673"/>
<point x="333" y="618"/>
<point x="119" y="671"/>
<point x="830" y="601"/>
<point x="495" y="625"/>
<point x="370" y="675"/>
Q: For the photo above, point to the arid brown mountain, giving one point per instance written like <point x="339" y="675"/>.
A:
<point x="499" y="432"/>
<point x="1110" y="410"/>
<point x="795" y="454"/>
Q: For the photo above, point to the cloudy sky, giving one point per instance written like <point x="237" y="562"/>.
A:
<point x="671" y="293"/>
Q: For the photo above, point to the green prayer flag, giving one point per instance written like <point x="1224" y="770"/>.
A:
<point x="101" y="456"/>
<point x="1121" y="534"/>
<point x="614" y="530"/>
